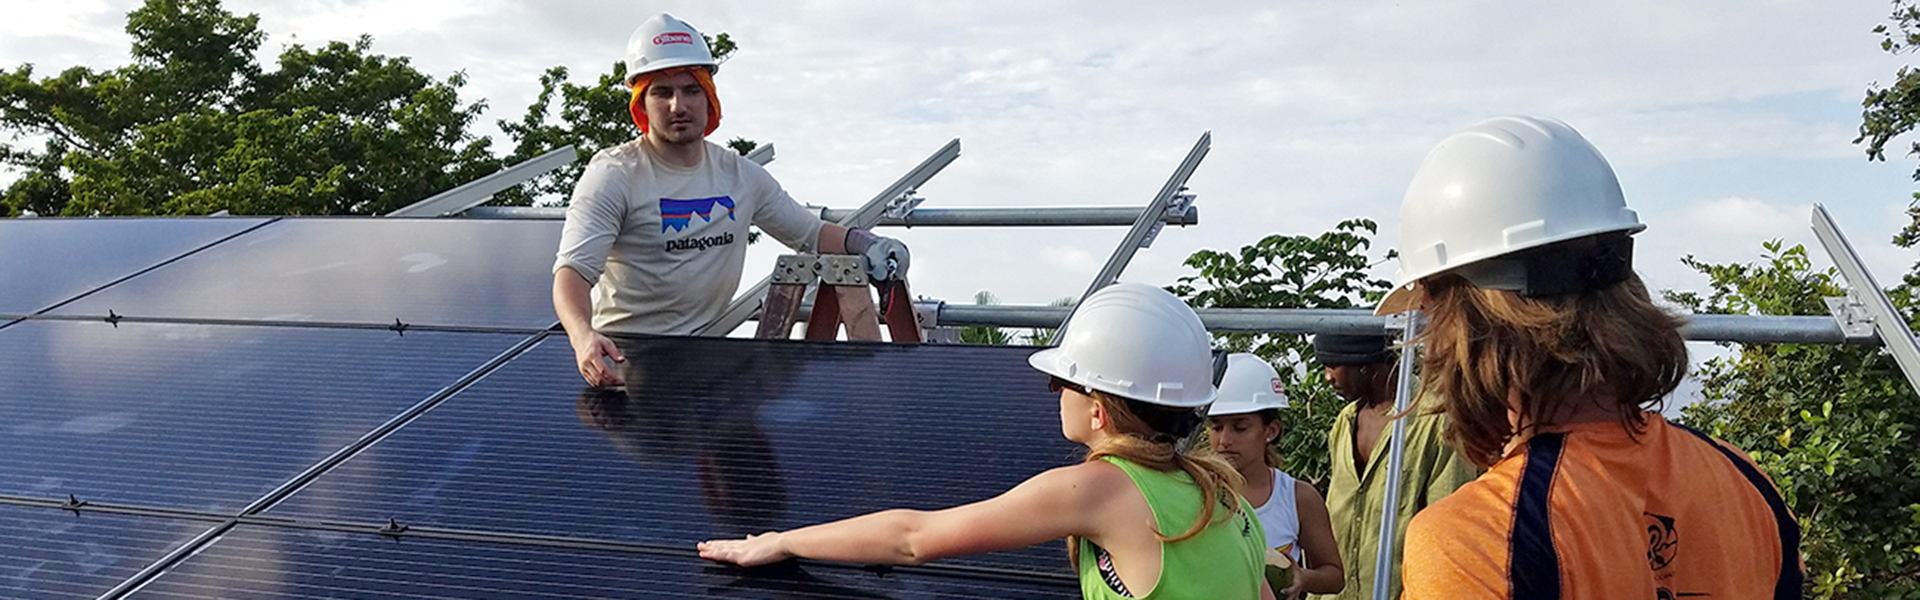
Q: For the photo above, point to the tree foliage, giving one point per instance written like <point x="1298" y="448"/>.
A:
<point x="1891" y="111"/>
<point x="1281" y="271"/>
<point x="1833" y="425"/>
<point x="196" y="125"/>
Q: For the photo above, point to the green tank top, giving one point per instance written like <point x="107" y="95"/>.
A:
<point x="1225" y="561"/>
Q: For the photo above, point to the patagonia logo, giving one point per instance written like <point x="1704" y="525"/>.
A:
<point x="700" y="243"/>
<point x="672" y="37"/>
<point x="677" y="214"/>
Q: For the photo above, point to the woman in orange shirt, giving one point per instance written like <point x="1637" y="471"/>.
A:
<point x="1549" y="353"/>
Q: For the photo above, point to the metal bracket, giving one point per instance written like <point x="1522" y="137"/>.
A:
<point x="796" y="268"/>
<point x="900" y="206"/>
<point x="842" y="269"/>
<point x="1181" y="203"/>
<point x="1852" y="316"/>
<point x="393" y="529"/>
<point x="1887" y="322"/>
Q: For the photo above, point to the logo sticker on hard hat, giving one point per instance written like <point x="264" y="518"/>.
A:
<point x="673" y="37"/>
<point x="1277" y="386"/>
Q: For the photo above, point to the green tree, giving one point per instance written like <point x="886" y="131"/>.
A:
<point x="1281" y="271"/>
<point x="985" y="334"/>
<point x="195" y="125"/>
<point x="591" y="117"/>
<point x="1833" y="425"/>
<point x="1891" y="111"/>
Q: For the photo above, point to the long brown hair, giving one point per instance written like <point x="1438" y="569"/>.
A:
<point x="1154" y="448"/>
<point x="1612" y="345"/>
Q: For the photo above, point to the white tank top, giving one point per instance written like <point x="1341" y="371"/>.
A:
<point x="1281" y="517"/>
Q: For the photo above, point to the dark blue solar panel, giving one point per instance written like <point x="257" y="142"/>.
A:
<point x="203" y="417"/>
<point x="47" y="261"/>
<point x="51" y="553"/>
<point x="421" y="272"/>
<point x="260" y="562"/>
<point x="712" y="438"/>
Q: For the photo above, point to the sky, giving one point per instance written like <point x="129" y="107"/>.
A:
<point x="1725" y="120"/>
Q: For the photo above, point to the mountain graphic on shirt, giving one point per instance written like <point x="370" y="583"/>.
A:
<point x="677" y="214"/>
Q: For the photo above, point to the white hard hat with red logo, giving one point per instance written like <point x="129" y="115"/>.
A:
<point x="1135" y="341"/>
<point x="1250" y="386"/>
<point x="665" y="42"/>
<point x="1503" y="188"/>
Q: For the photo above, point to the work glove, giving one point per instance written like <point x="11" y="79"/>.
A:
<point x="886" y="258"/>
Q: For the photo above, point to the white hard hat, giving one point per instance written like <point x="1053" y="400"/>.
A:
<point x="1250" y="385"/>
<point x="1504" y="185"/>
<point x="1135" y="341"/>
<point x="665" y="42"/>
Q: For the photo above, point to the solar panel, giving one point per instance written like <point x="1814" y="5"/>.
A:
<point x="511" y="478"/>
<point x="268" y="562"/>
<point x="47" y="261"/>
<point x="50" y="553"/>
<point x="203" y="417"/>
<point x="712" y="438"/>
<point x="453" y="272"/>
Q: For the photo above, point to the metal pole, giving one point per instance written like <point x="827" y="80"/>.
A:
<point x="478" y="191"/>
<point x="1144" y="224"/>
<point x="1743" y="329"/>
<point x="745" y="305"/>
<point x="1396" y="452"/>
<point x="1038" y="216"/>
<point x="1886" y="320"/>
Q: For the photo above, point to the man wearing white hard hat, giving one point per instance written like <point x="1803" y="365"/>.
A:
<point x="1360" y="368"/>
<point x="1242" y="425"/>
<point x="1550" y="360"/>
<point x="1135" y="376"/>
<point x="656" y="233"/>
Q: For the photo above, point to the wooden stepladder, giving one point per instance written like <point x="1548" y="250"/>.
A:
<point x="842" y="299"/>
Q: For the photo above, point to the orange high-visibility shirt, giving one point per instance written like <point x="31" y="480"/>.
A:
<point x="1588" y="512"/>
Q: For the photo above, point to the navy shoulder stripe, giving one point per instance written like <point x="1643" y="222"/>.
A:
<point x="1533" y="566"/>
<point x="1788" y="586"/>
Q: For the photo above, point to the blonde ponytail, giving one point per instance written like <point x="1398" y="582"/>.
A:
<point x="1141" y="444"/>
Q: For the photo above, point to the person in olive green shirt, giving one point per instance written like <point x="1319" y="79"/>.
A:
<point x="1362" y="370"/>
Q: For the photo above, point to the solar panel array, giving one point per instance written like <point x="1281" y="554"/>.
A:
<point x="310" y="407"/>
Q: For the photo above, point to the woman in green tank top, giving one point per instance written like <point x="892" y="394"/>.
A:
<point x="1142" y="519"/>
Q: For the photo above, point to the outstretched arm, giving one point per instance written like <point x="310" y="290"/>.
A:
<point x="1052" y="505"/>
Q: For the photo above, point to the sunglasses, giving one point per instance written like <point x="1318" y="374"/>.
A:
<point x="1055" y="384"/>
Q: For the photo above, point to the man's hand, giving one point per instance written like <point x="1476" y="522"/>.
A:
<point x="886" y="257"/>
<point x="754" y="551"/>
<point x="595" y="355"/>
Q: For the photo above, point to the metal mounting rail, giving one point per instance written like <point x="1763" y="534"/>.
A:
<point x="1146" y="224"/>
<point x="1887" y="322"/>
<point x="745" y="305"/>
<point x="1035" y="216"/>
<point x="1743" y="329"/>
<point x="478" y="191"/>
